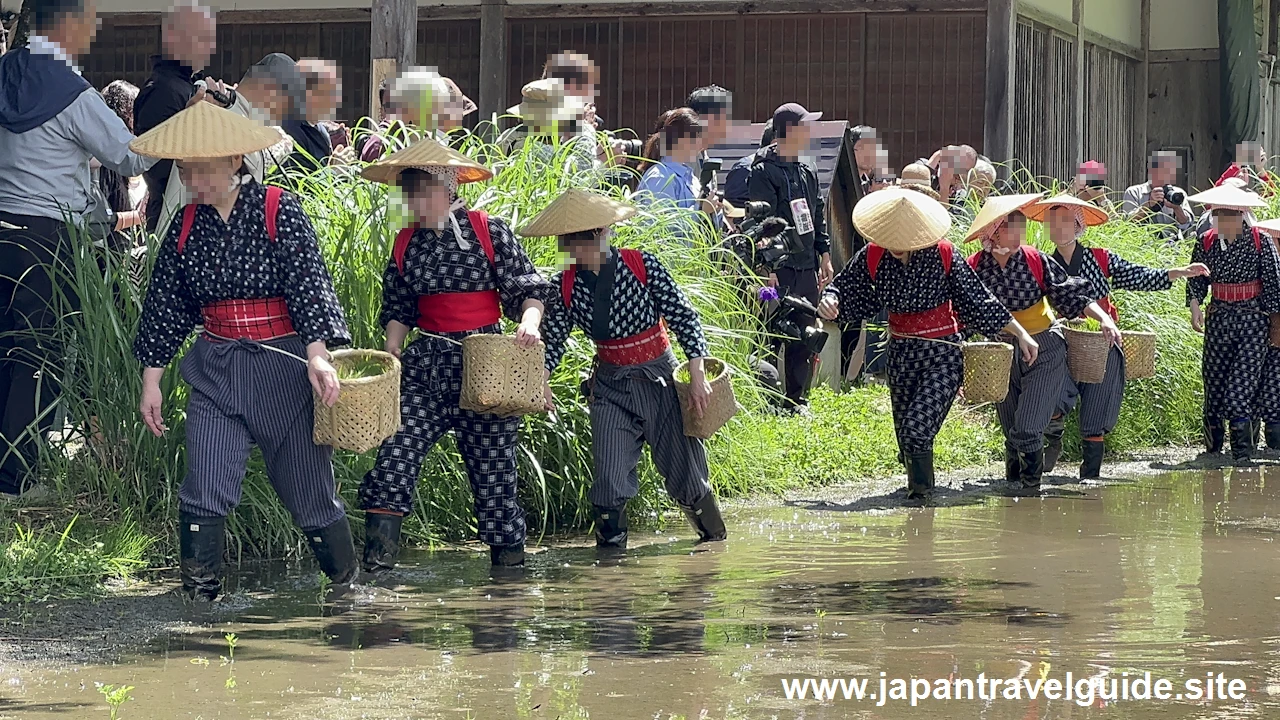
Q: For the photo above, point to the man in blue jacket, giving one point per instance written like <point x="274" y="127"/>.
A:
<point x="51" y="123"/>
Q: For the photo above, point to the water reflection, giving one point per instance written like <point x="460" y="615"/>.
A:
<point x="1168" y="575"/>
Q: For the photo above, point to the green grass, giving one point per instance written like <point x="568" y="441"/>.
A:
<point x="37" y="563"/>
<point x="849" y="436"/>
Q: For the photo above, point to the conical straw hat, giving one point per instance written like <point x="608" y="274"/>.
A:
<point x="204" y="132"/>
<point x="425" y="153"/>
<point x="575" y="211"/>
<point x="900" y="220"/>
<point x="999" y="207"/>
<point x="1093" y="215"/>
<point x="1271" y="227"/>
<point x="1228" y="198"/>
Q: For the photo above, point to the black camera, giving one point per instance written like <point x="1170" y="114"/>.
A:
<point x="226" y="99"/>
<point x="1096" y="183"/>
<point x="761" y="242"/>
<point x="628" y="147"/>
<point x="795" y="320"/>
<point x="707" y="176"/>
<point x="1173" y="195"/>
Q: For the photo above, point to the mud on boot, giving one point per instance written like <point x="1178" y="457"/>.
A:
<point x="611" y="528"/>
<point x="1053" y="442"/>
<point x="1091" y="464"/>
<point x="507" y="556"/>
<point x="381" y="541"/>
<point x="705" y="518"/>
<point x="1242" y="442"/>
<point x="201" y="543"/>
<point x="920" y="479"/>
<point x="335" y="552"/>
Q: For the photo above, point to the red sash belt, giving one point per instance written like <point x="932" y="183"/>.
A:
<point x="938" y="322"/>
<point x="259" y="319"/>
<point x="1237" y="292"/>
<point x="459" y="312"/>
<point x="637" y="349"/>
<point x="1108" y="307"/>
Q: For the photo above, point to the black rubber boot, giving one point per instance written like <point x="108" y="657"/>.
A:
<point x="611" y="528"/>
<point x="1273" y="436"/>
<point x="1053" y="442"/>
<point x="335" y="552"/>
<point x="1241" y="439"/>
<point x="507" y="556"/>
<point x="201" y="542"/>
<point x="1012" y="464"/>
<point x="1214" y="436"/>
<point x="1091" y="466"/>
<point x="1032" y="470"/>
<point x="705" y="518"/>
<point x="920" y="479"/>
<point x="381" y="541"/>
<point x="1255" y="434"/>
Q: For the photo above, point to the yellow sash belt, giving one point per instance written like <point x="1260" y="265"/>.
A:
<point x="1037" y="318"/>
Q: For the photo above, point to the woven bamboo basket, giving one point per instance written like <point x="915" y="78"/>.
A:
<point x="986" y="371"/>
<point x="1087" y="354"/>
<point x="720" y="408"/>
<point x="500" y="377"/>
<point x="1275" y="330"/>
<point x="368" y="408"/>
<point x="1139" y="355"/>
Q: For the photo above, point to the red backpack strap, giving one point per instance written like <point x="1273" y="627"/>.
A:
<point x="1103" y="258"/>
<point x="566" y="284"/>
<point x="948" y="253"/>
<point x="480" y="224"/>
<point x="1210" y="238"/>
<point x="188" y="221"/>
<point x="1035" y="264"/>
<point x="401" y="245"/>
<point x="874" y="253"/>
<point x="273" y="209"/>
<point x="634" y="260"/>
<point x="1257" y="239"/>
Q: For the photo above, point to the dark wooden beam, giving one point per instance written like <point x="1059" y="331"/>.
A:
<point x="1077" y="17"/>
<point x="715" y="7"/>
<point x="1002" y="18"/>
<point x="393" y="36"/>
<point x="493" y="57"/>
<point x="1189" y="55"/>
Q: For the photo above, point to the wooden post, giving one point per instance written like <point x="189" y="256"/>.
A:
<point x="1144" y="95"/>
<point x="1077" y="16"/>
<point x="393" y="35"/>
<point x="1002" y="19"/>
<point x="493" y="57"/>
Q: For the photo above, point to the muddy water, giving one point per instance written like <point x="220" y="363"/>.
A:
<point x="1172" y="575"/>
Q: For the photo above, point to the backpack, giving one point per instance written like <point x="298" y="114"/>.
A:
<point x="272" y="210"/>
<point x="1034" y="263"/>
<point x="633" y="259"/>
<point x="479" y="223"/>
<point x="875" y="253"/>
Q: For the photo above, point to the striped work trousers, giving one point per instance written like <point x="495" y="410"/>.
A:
<point x="244" y="394"/>
<point x="1099" y="402"/>
<point x="1034" y="393"/>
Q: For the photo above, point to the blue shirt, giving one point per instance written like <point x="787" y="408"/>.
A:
<point x="671" y="180"/>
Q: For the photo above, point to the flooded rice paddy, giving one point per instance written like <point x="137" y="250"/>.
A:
<point x="1172" y="575"/>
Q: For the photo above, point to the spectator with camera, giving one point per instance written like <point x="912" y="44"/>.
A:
<point x="1158" y="201"/>
<point x="1090" y="185"/>
<point x="780" y="178"/>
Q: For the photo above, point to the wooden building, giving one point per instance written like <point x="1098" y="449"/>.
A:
<point x="1048" y="82"/>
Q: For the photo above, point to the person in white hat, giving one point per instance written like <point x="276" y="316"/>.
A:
<point x="1267" y="401"/>
<point x="452" y="273"/>
<point x="1245" y="289"/>
<point x="1029" y="283"/>
<point x="1066" y="217"/>
<point x="929" y="292"/>
<point x="242" y="262"/>
<point x="625" y="300"/>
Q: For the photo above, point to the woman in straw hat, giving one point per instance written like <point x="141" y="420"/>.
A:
<point x="1066" y="217"/>
<point x="243" y="262"/>
<point x="1028" y="282"/>
<point x="1267" y="402"/>
<point x="1245" y="289"/>
<point x="452" y="273"/>
<point x="929" y="291"/>
<point x="625" y="300"/>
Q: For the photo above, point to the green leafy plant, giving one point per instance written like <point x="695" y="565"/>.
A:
<point x="115" y="697"/>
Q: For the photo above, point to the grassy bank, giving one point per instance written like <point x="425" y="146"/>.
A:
<point x="109" y="462"/>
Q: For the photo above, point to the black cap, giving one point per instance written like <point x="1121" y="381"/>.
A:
<point x="283" y="71"/>
<point x="790" y="115"/>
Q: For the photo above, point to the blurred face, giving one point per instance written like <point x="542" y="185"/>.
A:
<point x="1011" y="236"/>
<point x="429" y="200"/>
<point x="324" y="95"/>
<point x="1163" y="172"/>
<point x="866" y="152"/>
<point x="1249" y="153"/>
<point x="190" y="35"/>
<point x="1062" y="225"/>
<point x="210" y="181"/>
<point x="797" y="140"/>
<point x="586" y="248"/>
<point x="75" y="31"/>
<point x="1228" y="223"/>
<point x="268" y="103"/>
<point x="716" y="127"/>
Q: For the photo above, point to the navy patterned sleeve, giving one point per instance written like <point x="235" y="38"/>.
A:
<point x="1068" y="295"/>
<point x="169" y="313"/>
<point x="675" y="308"/>
<point x="853" y="289"/>
<point x="1269" y="270"/>
<point x="399" y="301"/>
<point x="308" y="287"/>
<point x="1197" y="287"/>
<point x="556" y="326"/>
<point x="1139" y="278"/>
<point x="973" y="302"/>
<point x="518" y="279"/>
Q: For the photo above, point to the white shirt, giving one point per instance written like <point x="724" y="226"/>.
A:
<point x="41" y="45"/>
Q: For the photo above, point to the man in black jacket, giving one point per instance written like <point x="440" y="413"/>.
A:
<point x="781" y="178"/>
<point x="187" y="37"/>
